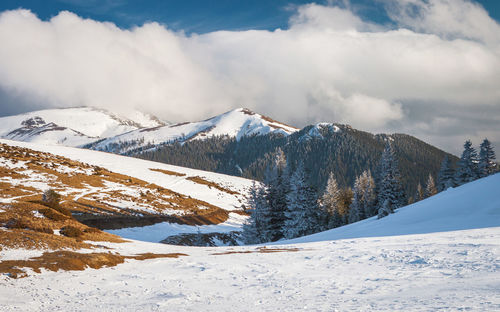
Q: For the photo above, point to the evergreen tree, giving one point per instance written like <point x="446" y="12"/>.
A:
<point x="369" y="195"/>
<point x="467" y="165"/>
<point x="302" y="211"/>
<point x="330" y="204"/>
<point x="254" y="227"/>
<point x="419" y="194"/>
<point x="430" y="188"/>
<point x="385" y="210"/>
<point x="363" y="201"/>
<point x="356" y="211"/>
<point x="390" y="188"/>
<point x="345" y="202"/>
<point x="445" y="175"/>
<point x="487" y="158"/>
<point x="277" y="181"/>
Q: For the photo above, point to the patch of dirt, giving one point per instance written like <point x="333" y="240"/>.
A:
<point x="172" y="173"/>
<point x="259" y="250"/>
<point x="211" y="184"/>
<point x="71" y="261"/>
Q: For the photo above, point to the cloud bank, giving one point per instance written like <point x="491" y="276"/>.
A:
<point x="433" y="72"/>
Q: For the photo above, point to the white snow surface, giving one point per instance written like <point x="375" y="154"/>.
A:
<point x="448" y="271"/>
<point x="81" y="125"/>
<point x="372" y="265"/>
<point x="235" y="123"/>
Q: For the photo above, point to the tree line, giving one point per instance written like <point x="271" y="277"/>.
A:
<point x="286" y="205"/>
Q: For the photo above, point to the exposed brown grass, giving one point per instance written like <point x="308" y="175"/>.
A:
<point x="172" y="173"/>
<point x="211" y="184"/>
<point x="71" y="261"/>
<point x="100" y="203"/>
<point x="30" y="232"/>
<point x="276" y="123"/>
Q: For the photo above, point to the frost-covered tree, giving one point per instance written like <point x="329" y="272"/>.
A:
<point x="369" y="195"/>
<point x="277" y="182"/>
<point x="254" y="229"/>
<point x="487" y="158"/>
<point x="330" y="204"/>
<point x="390" y="188"/>
<point x="302" y="211"/>
<point x="363" y="201"/>
<point x="385" y="210"/>
<point x="446" y="175"/>
<point x="467" y="170"/>
<point x="419" y="194"/>
<point x="430" y="187"/>
<point x="356" y="211"/>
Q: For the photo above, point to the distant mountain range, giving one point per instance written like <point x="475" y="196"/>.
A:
<point x="72" y="126"/>
<point x="239" y="142"/>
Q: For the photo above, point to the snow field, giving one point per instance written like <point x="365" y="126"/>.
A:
<point x="447" y="271"/>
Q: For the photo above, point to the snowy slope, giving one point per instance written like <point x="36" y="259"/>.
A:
<point x="470" y="206"/>
<point x="141" y="169"/>
<point x="236" y="123"/>
<point x="71" y="126"/>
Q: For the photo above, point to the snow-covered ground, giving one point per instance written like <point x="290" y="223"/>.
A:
<point x="448" y="271"/>
<point x="372" y="265"/>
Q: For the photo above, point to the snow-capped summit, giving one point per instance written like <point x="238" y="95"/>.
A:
<point x="236" y="123"/>
<point x="71" y="126"/>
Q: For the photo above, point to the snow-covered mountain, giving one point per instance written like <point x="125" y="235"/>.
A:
<point x="235" y="123"/>
<point x="72" y="126"/>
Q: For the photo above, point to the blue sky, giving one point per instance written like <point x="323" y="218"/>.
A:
<point x="201" y="16"/>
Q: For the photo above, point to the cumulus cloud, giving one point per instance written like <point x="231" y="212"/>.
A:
<point x="329" y="65"/>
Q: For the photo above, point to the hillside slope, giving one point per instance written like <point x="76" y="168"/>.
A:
<point x="324" y="148"/>
<point x="71" y="126"/>
<point x="109" y="191"/>
<point x="236" y="124"/>
<point x="473" y="205"/>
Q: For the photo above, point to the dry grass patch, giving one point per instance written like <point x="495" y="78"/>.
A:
<point x="172" y="173"/>
<point x="71" y="261"/>
<point x="211" y="184"/>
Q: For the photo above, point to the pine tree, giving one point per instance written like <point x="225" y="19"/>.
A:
<point x="487" y="158"/>
<point x="356" y="211"/>
<point x="277" y="181"/>
<point x="330" y="204"/>
<point x="390" y="188"/>
<point x="345" y="202"/>
<point x="369" y="195"/>
<point x="467" y="166"/>
<point x="385" y="210"/>
<point x="363" y="202"/>
<point x="302" y="211"/>
<point x="430" y="188"/>
<point x="445" y="175"/>
<point x="253" y="228"/>
<point x="419" y="194"/>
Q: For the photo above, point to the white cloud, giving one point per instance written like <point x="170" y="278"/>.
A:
<point x="329" y="65"/>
